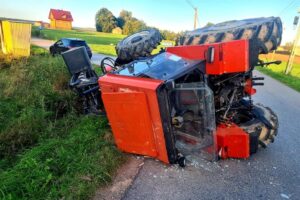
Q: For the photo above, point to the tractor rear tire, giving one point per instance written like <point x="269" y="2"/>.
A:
<point x="266" y="31"/>
<point x="139" y="44"/>
<point x="264" y="123"/>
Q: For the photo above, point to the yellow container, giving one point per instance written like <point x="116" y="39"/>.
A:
<point x="297" y="51"/>
<point x="15" y="38"/>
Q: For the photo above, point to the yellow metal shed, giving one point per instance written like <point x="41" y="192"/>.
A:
<point x="15" y="38"/>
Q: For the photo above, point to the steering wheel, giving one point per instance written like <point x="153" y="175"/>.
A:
<point x="107" y="61"/>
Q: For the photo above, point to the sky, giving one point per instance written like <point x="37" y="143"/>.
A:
<point x="175" y="15"/>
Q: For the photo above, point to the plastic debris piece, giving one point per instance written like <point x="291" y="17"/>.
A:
<point x="284" y="196"/>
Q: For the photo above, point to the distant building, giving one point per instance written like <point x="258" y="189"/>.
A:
<point x="60" y="19"/>
<point x="46" y="25"/>
<point x="38" y="23"/>
<point x="117" y="30"/>
<point x="42" y="24"/>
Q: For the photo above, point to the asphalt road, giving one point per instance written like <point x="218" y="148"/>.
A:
<point x="272" y="173"/>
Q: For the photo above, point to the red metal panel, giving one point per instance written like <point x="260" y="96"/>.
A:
<point x="229" y="57"/>
<point x="249" y="87"/>
<point x="233" y="142"/>
<point x="130" y="121"/>
<point x="132" y="108"/>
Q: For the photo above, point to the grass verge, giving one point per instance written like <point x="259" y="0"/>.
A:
<point x="291" y="81"/>
<point x="47" y="149"/>
<point x="99" y="42"/>
<point x="277" y="72"/>
<point x="72" y="167"/>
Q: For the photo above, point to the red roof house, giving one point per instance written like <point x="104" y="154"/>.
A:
<point x="60" y="19"/>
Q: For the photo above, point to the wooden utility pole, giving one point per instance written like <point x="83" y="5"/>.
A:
<point x="196" y="21"/>
<point x="195" y="18"/>
<point x="289" y="65"/>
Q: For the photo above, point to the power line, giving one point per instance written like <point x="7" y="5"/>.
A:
<point x="189" y="2"/>
<point x="287" y="7"/>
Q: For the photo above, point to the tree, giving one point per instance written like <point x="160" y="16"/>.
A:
<point x="168" y="35"/>
<point x="209" y="24"/>
<point x="124" y="16"/>
<point x="105" y="21"/>
<point x="133" y="25"/>
<point x="120" y="22"/>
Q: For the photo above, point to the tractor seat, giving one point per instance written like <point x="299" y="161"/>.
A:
<point x="82" y="80"/>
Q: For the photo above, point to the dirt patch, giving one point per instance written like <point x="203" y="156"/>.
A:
<point x="122" y="181"/>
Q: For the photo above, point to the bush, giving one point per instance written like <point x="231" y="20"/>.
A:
<point x="33" y="96"/>
<point x="168" y="35"/>
<point x="35" y="31"/>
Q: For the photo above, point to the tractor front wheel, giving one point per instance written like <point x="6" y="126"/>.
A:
<point x="261" y="123"/>
<point x="139" y="44"/>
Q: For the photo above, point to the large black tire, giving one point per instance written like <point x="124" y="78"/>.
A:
<point x="268" y="31"/>
<point x="139" y="44"/>
<point x="262" y="123"/>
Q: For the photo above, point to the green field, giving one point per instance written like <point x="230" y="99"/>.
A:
<point x="277" y="71"/>
<point x="103" y="43"/>
<point x="48" y="150"/>
<point x="99" y="42"/>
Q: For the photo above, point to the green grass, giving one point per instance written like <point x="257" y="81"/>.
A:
<point x="72" y="167"/>
<point x="104" y="49"/>
<point x="33" y="95"/>
<point x="35" y="50"/>
<point x="103" y="43"/>
<point x="277" y="71"/>
<point x="99" y="42"/>
<point x="48" y="150"/>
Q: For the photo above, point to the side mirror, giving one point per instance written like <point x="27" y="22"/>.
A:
<point x="210" y="54"/>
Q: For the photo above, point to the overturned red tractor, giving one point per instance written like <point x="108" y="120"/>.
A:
<point x="191" y="99"/>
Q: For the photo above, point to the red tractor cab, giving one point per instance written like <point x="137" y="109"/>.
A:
<point x="164" y="106"/>
<point x="192" y="100"/>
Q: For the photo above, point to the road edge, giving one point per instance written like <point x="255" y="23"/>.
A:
<point x="122" y="181"/>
